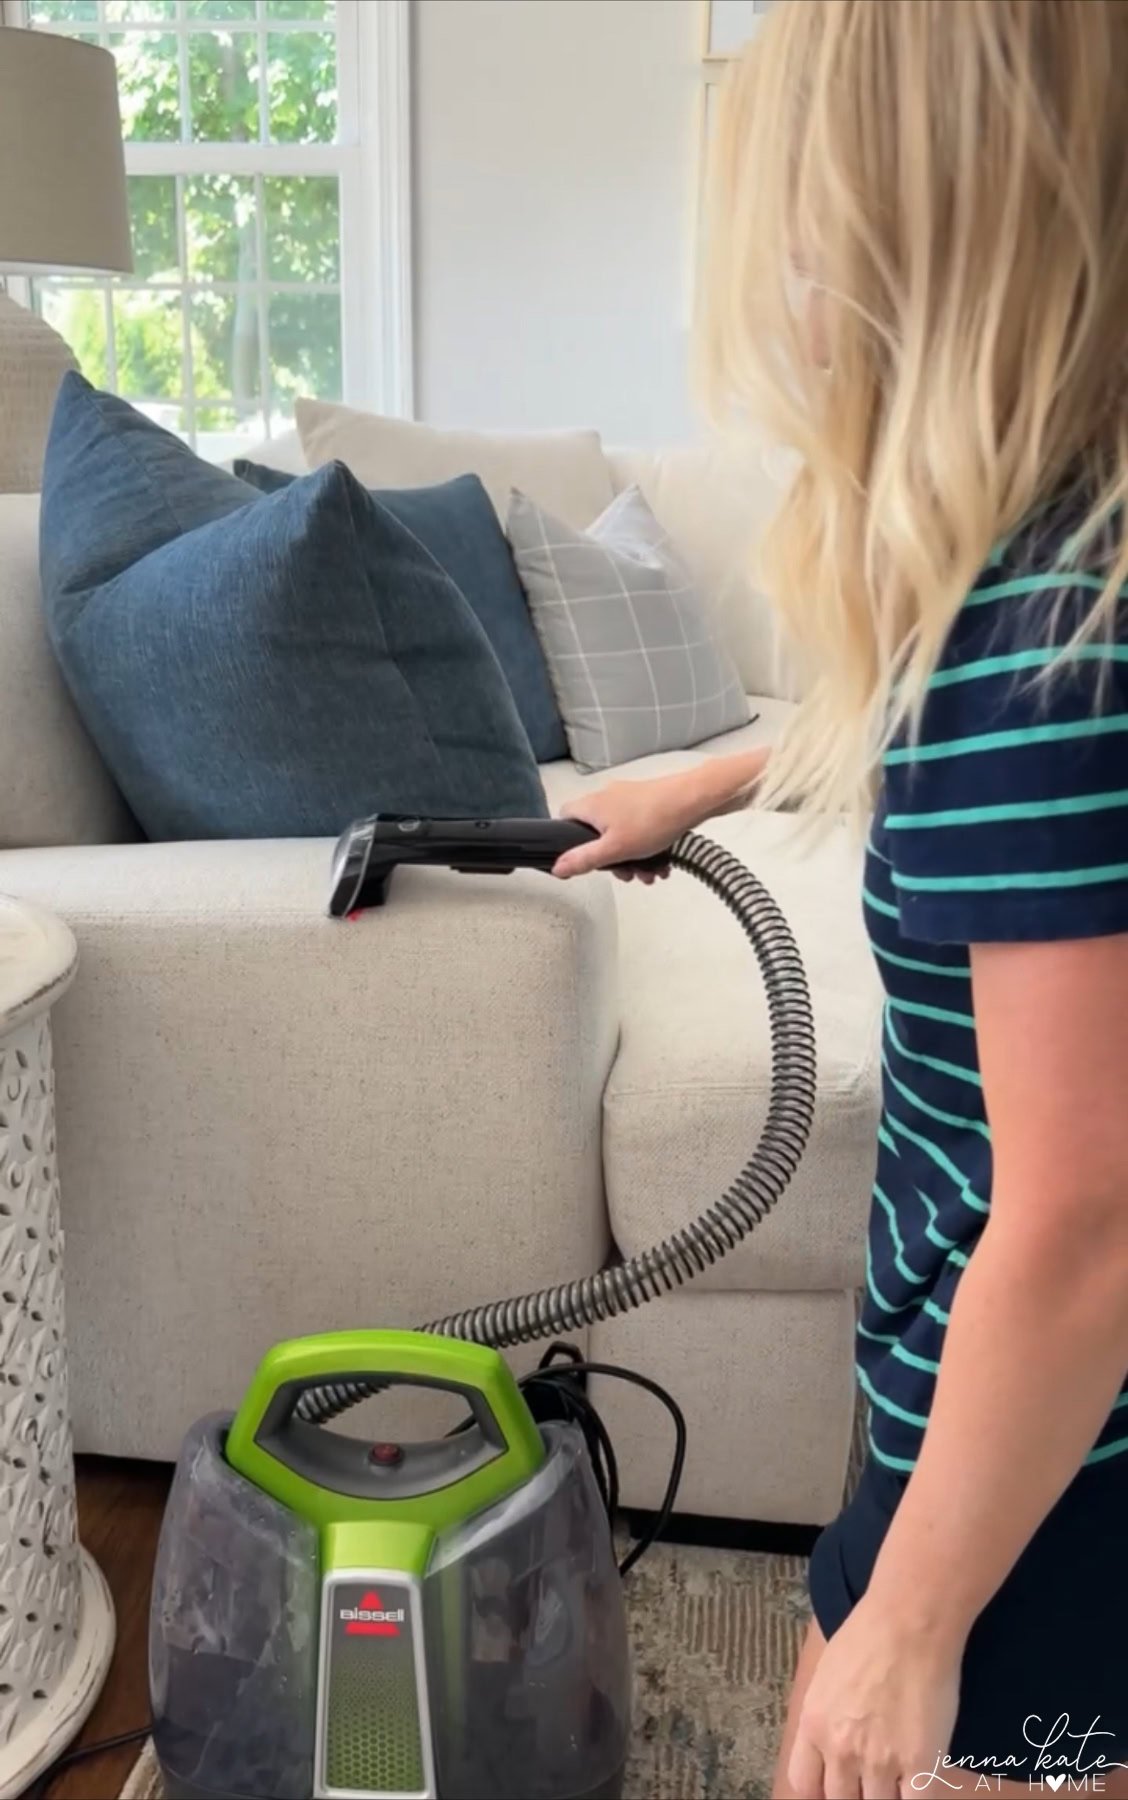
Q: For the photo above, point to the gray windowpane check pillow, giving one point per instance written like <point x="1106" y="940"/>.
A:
<point x="633" y="659"/>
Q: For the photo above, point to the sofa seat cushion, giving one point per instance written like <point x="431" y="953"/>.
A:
<point x="563" y="781"/>
<point x="688" y="1094"/>
<point x="272" y="1123"/>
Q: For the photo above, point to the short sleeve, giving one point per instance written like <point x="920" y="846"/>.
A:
<point x="1006" y="818"/>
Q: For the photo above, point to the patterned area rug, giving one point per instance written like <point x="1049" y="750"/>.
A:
<point x="715" y="1635"/>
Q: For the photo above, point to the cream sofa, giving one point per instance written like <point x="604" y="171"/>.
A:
<point x="271" y="1124"/>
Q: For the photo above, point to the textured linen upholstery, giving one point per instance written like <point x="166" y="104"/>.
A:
<point x="769" y="1382"/>
<point x="688" y="1095"/>
<point x="272" y="1123"/>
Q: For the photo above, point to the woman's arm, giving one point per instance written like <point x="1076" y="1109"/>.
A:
<point x="636" y="819"/>
<point x="1034" y="1354"/>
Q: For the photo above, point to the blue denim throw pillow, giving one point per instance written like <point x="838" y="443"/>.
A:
<point x="459" y="526"/>
<point x="255" y="667"/>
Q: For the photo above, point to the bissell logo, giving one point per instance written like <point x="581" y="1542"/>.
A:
<point x="369" y="1619"/>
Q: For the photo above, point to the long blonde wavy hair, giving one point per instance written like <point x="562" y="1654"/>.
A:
<point x="951" y="179"/>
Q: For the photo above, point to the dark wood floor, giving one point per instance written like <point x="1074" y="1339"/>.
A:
<point x="120" y="1506"/>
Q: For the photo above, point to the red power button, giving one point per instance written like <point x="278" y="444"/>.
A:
<point x="386" y="1456"/>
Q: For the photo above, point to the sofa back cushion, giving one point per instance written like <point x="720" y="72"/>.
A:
<point x="56" y="788"/>
<point x="564" y="471"/>
<point x="715" y="505"/>
<point x="262" y="666"/>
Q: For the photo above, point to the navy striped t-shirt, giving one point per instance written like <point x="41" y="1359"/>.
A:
<point x="1005" y="819"/>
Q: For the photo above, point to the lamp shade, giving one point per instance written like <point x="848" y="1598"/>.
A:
<point x="62" y="166"/>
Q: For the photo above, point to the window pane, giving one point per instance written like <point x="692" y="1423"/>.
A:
<point x="140" y="12"/>
<point x="149" y="85"/>
<point x="216" y="415"/>
<point x="223" y="83"/>
<point x="170" y="414"/>
<point x="225" y="348"/>
<point x="302" y="85"/>
<point x="219" y="218"/>
<point x="300" y="9"/>
<point x="302" y="227"/>
<point x="152" y="214"/>
<point x="221" y="9"/>
<point x="305" y="348"/>
<point x="78" y="315"/>
<point x="223" y="431"/>
<point x="148" y="338"/>
<point x="60" y="13"/>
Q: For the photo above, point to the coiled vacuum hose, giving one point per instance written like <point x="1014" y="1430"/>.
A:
<point x="751" y="1196"/>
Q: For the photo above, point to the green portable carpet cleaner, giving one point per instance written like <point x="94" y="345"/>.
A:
<point x="339" y="1617"/>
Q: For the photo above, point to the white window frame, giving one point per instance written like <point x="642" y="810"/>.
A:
<point x="372" y="161"/>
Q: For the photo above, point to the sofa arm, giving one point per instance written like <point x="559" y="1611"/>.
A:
<point x="272" y="1123"/>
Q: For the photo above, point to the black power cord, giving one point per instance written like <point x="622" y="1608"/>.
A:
<point x="101" y="1747"/>
<point x="557" y="1388"/>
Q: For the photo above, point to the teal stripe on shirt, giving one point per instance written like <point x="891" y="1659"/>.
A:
<point x="932" y="1231"/>
<point x="913" y="1361"/>
<point x="1104" y="1451"/>
<point x="1024" y="880"/>
<point x="971" y="1076"/>
<point x="878" y="1298"/>
<point x="877" y="1337"/>
<point x="933" y="1151"/>
<point x="883" y="1137"/>
<point x="903" y="1465"/>
<point x="1036" y="584"/>
<point x="1005" y="813"/>
<point x="1039" y="657"/>
<point x="919" y="1010"/>
<point x="888" y="1406"/>
<point x="917" y="967"/>
<point x="899" y="1263"/>
<point x="1016" y="738"/>
<point x="880" y="906"/>
<point x="960" y="1121"/>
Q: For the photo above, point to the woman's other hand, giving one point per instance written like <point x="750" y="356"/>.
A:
<point x="878" y="1716"/>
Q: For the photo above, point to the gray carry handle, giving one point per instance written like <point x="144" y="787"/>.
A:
<point x="375" y="1469"/>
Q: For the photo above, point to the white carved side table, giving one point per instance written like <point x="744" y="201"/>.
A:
<point x="56" y="1617"/>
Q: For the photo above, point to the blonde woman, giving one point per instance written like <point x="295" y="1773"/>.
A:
<point x="920" y="282"/>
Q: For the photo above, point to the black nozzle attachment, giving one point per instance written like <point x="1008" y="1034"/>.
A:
<point x="368" y="851"/>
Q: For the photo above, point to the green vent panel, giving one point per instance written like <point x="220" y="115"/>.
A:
<point x="373" y="1733"/>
